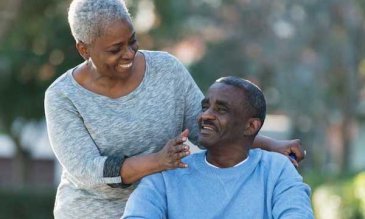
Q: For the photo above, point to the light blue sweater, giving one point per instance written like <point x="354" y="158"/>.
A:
<point x="265" y="186"/>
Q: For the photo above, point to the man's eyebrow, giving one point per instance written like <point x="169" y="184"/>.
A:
<point x="223" y="103"/>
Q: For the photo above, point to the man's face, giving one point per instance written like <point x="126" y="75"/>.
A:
<point x="223" y="118"/>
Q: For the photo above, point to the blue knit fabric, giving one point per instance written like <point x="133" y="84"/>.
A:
<point x="265" y="186"/>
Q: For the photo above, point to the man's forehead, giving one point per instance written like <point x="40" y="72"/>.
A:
<point x="225" y="92"/>
<point x="221" y="88"/>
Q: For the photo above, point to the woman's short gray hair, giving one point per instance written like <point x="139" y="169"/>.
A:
<point x="87" y="18"/>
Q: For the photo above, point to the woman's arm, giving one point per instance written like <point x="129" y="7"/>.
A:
<point x="79" y="155"/>
<point x="72" y="144"/>
<point x="285" y="147"/>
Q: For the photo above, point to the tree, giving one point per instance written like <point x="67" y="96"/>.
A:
<point x="33" y="53"/>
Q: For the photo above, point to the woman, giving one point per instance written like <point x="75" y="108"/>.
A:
<point x="109" y="117"/>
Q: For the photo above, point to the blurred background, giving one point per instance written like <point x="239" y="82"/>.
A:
<point x="308" y="56"/>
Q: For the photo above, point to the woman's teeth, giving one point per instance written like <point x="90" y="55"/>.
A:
<point x="125" y="65"/>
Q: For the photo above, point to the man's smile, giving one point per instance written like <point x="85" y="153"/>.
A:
<point x="207" y="127"/>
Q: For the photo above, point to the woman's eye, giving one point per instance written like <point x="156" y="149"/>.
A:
<point x="114" y="51"/>
<point x="133" y="41"/>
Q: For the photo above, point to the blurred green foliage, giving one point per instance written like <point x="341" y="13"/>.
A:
<point x="341" y="199"/>
<point x="35" y="50"/>
<point x="27" y="203"/>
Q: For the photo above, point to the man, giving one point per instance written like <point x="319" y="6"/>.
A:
<point x="228" y="180"/>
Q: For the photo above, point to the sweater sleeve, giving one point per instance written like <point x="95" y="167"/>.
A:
<point x="148" y="200"/>
<point x="291" y="196"/>
<point x="192" y="99"/>
<point x="73" y="146"/>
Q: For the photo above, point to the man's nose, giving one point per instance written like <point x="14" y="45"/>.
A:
<point x="208" y="114"/>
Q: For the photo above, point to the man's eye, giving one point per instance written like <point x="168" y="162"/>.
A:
<point x="204" y="108"/>
<point x="222" y="109"/>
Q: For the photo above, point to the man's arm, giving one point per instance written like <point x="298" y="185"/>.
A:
<point x="291" y="196"/>
<point x="148" y="200"/>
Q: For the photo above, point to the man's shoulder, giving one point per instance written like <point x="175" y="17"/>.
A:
<point x="195" y="156"/>
<point x="277" y="166"/>
<point x="273" y="155"/>
<point x="191" y="161"/>
<point x="270" y="159"/>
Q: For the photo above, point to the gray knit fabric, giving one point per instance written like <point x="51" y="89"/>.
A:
<point x="92" y="134"/>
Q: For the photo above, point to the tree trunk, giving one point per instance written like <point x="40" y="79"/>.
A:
<point x="20" y="164"/>
<point x="350" y="101"/>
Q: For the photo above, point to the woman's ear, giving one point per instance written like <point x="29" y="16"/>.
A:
<point x="253" y="125"/>
<point x="83" y="50"/>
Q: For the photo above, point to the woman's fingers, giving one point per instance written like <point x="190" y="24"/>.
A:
<point x="297" y="148"/>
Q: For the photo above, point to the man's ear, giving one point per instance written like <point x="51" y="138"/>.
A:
<point x="83" y="50"/>
<point x="253" y="125"/>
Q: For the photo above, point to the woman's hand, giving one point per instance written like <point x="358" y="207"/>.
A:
<point x="169" y="157"/>
<point x="290" y="148"/>
<point x="171" y="154"/>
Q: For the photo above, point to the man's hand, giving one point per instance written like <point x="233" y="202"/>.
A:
<point x="171" y="154"/>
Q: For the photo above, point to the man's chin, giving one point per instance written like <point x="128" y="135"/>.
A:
<point x="204" y="141"/>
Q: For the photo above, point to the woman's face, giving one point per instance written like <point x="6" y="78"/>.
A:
<point x="112" y="54"/>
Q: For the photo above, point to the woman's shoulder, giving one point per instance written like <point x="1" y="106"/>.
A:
<point x="160" y="59"/>
<point x="156" y="54"/>
<point x="60" y="82"/>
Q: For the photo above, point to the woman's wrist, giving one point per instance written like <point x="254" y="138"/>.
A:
<point x="134" y="168"/>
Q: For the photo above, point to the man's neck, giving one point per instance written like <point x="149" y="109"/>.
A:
<point x="226" y="157"/>
<point x="239" y="164"/>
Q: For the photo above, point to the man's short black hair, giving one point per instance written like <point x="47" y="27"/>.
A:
<point x="253" y="95"/>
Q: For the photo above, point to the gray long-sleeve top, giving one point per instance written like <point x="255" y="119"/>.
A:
<point x="92" y="134"/>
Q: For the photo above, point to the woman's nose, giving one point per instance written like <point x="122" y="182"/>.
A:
<point x="129" y="52"/>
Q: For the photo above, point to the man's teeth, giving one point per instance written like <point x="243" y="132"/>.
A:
<point x="206" y="127"/>
<point x="125" y="65"/>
